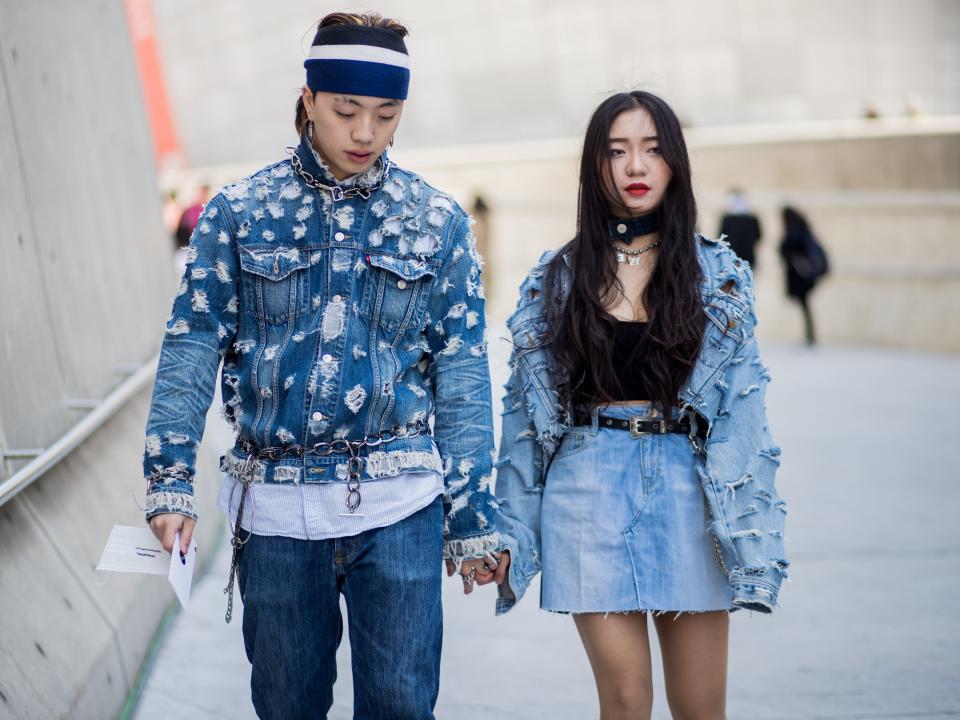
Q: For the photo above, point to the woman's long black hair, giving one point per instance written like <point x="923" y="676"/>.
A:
<point x="581" y="329"/>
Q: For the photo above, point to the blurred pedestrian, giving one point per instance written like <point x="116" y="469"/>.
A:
<point x="480" y="212"/>
<point x="171" y="215"/>
<point x="805" y="263"/>
<point x="190" y="216"/>
<point x="343" y="295"/>
<point x="634" y="419"/>
<point x="741" y="226"/>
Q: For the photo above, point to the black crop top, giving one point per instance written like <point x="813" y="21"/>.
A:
<point x="629" y="361"/>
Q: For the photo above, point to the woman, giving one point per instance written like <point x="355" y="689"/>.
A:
<point x="636" y="468"/>
<point x="805" y="263"/>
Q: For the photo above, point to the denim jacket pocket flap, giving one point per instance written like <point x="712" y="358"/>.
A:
<point x="528" y="328"/>
<point x="272" y="263"/>
<point x="410" y="268"/>
<point x="728" y="314"/>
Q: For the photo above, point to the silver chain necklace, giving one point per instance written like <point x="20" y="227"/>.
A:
<point x="337" y="193"/>
<point x="632" y="257"/>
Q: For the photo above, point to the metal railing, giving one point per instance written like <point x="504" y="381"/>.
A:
<point x="100" y="412"/>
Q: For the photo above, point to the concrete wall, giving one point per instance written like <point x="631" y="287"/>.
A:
<point x="84" y="287"/>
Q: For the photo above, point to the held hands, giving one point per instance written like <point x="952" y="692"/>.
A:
<point x="165" y="527"/>
<point x="491" y="568"/>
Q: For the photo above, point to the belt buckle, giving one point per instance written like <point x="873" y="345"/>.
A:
<point x="635" y="430"/>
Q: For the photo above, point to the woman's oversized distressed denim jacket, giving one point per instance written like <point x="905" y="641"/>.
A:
<point x="726" y="390"/>
<point x="335" y="317"/>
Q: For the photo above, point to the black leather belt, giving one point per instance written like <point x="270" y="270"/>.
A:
<point x="639" y="425"/>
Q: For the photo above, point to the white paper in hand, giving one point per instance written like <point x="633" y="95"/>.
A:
<point x="181" y="571"/>
<point x="134" y="549"/>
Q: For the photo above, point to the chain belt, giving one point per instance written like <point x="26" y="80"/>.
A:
<point x="320" y="449"/>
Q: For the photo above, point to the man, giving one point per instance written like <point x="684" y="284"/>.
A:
<point x="741" y="227"/>
<point x="343" y="295"/>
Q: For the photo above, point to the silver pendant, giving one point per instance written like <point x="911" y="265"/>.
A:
<point x="632" y="257"/>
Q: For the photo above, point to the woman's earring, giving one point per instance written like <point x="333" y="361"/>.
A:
<point x="391" y="142"/>
<point x="310" y="129"/>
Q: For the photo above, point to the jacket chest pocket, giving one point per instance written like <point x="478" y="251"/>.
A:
<point x="275" y="282"/>
<point x="396" y="292"/>
<point x="727" y="328"/>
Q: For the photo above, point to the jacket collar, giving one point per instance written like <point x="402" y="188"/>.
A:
<point x="312" y="163"/>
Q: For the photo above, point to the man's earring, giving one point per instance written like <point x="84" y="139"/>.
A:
<point x="310" y="129"/>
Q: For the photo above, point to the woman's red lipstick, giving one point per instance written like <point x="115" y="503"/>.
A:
<point x="638" y="189"/>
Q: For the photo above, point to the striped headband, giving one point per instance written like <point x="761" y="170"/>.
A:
<point x="359" y="60"/>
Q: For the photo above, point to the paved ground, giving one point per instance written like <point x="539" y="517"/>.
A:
<point x="867" y="628"/>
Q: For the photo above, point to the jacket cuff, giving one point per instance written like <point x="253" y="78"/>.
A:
<point x="757" y="592"/>
<point x="518" y="578"/>
<point x="456" y="550"/>
<point x="170" y="501"/>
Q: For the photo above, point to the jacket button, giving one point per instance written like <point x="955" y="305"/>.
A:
<point x="336" y="298"/>
<point x="339" y="237"/>
<point x="621" y="228"/>
<point x="401" y="284"/>
<point x="317" y="416"/>
<point x="327" y="358"/>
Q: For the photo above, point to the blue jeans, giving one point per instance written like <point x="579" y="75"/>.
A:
<point x="292" y="626"/>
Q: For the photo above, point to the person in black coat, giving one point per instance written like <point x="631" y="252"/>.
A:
<point x="805" y="263"/>
<point x="742" y="227"/>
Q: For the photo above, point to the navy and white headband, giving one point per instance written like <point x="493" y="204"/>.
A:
<point x="359" y="60"/>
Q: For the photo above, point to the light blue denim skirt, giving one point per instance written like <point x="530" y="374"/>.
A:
<point x="624" y="524"/>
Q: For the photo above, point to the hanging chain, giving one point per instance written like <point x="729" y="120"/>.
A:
<point x="235" y="540"/>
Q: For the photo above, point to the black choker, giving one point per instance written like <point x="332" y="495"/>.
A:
<point x="626" y="230"/>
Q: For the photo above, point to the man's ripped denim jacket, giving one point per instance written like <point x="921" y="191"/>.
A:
<point x="337" y="315"/>
<point x="726" y="390"/>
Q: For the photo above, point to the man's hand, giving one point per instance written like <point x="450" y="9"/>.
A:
<point x="481" y="571"/>
<point x="165" y="527"/>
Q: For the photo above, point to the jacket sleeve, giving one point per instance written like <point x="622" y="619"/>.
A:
<point x="463" y="422"/>
<point x="742" y="461"/>
<point x="201" y="327"/>
<point x="519" y="488"/>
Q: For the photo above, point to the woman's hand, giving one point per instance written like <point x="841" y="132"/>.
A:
<point x="165" y="527"/>
<point x="503" y="568"/>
